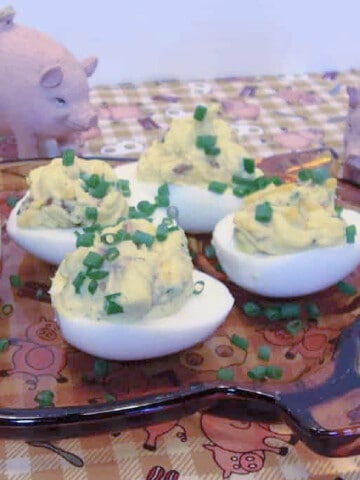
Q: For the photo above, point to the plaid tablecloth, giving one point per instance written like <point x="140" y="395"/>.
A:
<point x="269" y="115"/>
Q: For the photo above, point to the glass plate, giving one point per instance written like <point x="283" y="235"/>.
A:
<point x="48" y="389"/>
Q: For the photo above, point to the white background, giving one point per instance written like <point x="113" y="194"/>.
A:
<point x="139" y="40"/>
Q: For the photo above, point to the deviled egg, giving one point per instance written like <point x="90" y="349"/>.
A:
<point x="289" y="240"/>
<point x="206" y="171"/>
<point x="134" y="294"/>
<point x="67" y="195"/>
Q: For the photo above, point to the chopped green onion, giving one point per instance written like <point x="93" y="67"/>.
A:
<point x="112" y="307"/>
<point x="163" y="190"/>
<point x="350" y="232"/>
<point x="338" y="209"/>
<point x="101" y="367"/>
<point x="240" y="342"/>
<point x="7" y="309"/>
<point x="290" y="310"/>
<point x="4" y="342"/>
<point x="162" y="201"/>
<point x="161" y="232"/>
<point x="198" y="287"/>
<point x="242" y="190"/>
<point x="200" y="112"/>
<point x="257" y="373"/>
<point x="15" y="281"/>
<point x="85" y="239"/>
<point x="213" y="151"/>
<point x="91" y="213"/>
<point x="312" y="310"/>
<point x="276" y="180"/>
<point x="217" y="187"/>
<point x="264" y="353"/>
<point x="263" y="212"/>
<point x="95" y="227"/>
<point x="142" y="238"/>
<point x="319" y="175"/>
<point x="78" y="281"/>
<point x="249" y="165"/>
<point x="305" y="174"/>
<point x="261" y="182"/>
<point x="294" y="327"/>
<point x="11" y="201"/>
<point x="123" y="184"/>
<point x="146" y="207"/>
<point x="100" y="190"/>
<point x="68" y="158"/>
<point x="134" y="213"/>
<point x="112" y="253"/>
<point x="122" y="235"/>
<point x="210" y="251"/>
<point x="238" y="179"/>
<point x="109" y="238"/>
<point x="225" y="374"/>
<point x="251" y="309"/>
<point x="93" y="285"/>
<point x="273" y="313"/>
<point x="274" y="372"/>
<point x="346" y="288"/>
<point x="205" y="141"/>
<point x="93" y="260"/>
<point x="93" y="181"/>
<point x="97" y="274"/>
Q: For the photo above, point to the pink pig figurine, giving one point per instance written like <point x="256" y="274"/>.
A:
<point x="44" y="91"/>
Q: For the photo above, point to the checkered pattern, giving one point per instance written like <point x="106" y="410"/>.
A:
<point x="269" y="115"/>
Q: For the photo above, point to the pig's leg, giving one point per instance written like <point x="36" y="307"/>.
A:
<point x="49" y="148"/>
<point x="27" y="144"/>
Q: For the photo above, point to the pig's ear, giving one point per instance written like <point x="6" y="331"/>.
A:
<point x="89" y="65"/>
<point x="51" y="77"/>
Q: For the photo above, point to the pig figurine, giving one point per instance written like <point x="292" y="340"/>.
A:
<point x="44" y="91"/>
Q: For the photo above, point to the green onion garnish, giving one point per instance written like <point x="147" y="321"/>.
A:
<point x="350" y="232"/>
<point x="134" y="213"/>
<point x="124" y="186"/>
<point x="273" y="313"/>
<point x="346" y="288"/>
<point x="198" y="287"/>
<point x="142" y="238"/>
<point x="161" y="232"/>
<point x="15" y="281"/>
<point x="305" y="174"/>
<point x="319" y="175"/>
<point x="93" y="285"/>
<point x="264" y="353"/>
<point x="312" y="310"/>
<point x="162" y="201"/>
<point x="163" y="190"/>
<point x="200" y="112"/>
<point x="85" y="239"/>
<point x="210" y="251"/>
<point x="249" y="165"/>
<point x="294" y="327"/>
<point x="261" y="182"/>
<point x="97" y="274"/>
<point x="93" y="181"/>
<point x="122" y="235"/>
<point x="100" y="190"/>
<point x="251" y="309"/>
<point x="274" y="372"/>
<point x="4" y="342"/>
<point x="68" y="158"/>
<point x="112" y="253"/>
<point x="110" y="238"/>
<point x="290" y="310"/>
<point x="338" y="209"/>
<point x="242" y="190"/>
<point x="93" y="260"/>
<point x="257" y="373"/>
<point x="213" y="151"/>
<point x="112" y="307"/>
<point x="146" y="207"/>
<point x="240" y="342"/>
<point x="205" y="141"/>
<point x="217" y="187"/>
<point x="91" y="213"/>
<point x="101" y="367"/>
<point x="78" y="281"/>
<point x="263" y="212"/>
<point x="11" y="201"/>
<point x="225" y="374"/>
<point x="276" y="180"/>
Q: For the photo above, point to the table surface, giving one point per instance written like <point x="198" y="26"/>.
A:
<point x="270" y="115"/>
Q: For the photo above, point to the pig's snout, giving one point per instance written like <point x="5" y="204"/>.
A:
<point x="83" y="122"/>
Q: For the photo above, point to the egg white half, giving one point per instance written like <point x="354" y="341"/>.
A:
<point x="199" y="209"/>
<point x="51" y="244"/>
<point x="148" y="338"/>
<point x="289" y="275"/>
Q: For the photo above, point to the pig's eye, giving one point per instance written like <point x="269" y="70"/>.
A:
<point x="60" y="101"/>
